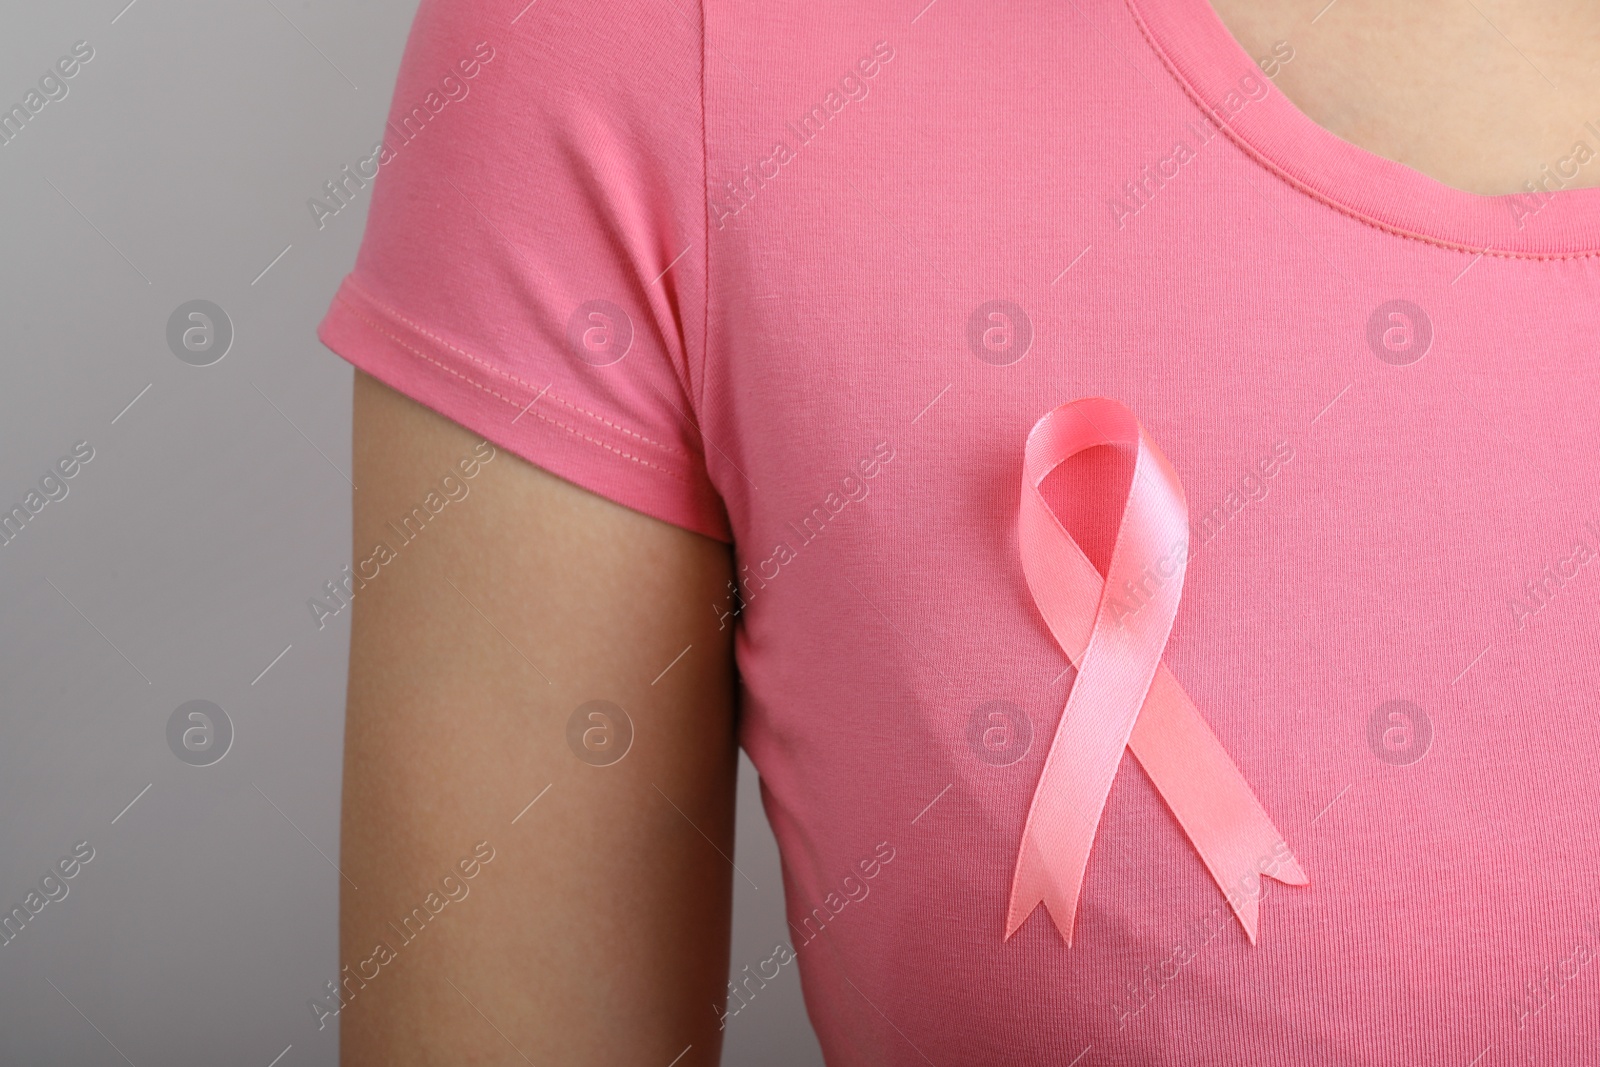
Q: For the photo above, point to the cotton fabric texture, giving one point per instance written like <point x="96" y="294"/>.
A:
<point x="802" y="276"/>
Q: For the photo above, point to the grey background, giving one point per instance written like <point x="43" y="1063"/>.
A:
<point x="178" y="566"/>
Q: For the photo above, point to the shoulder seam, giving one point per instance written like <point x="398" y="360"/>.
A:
<point x="705" y="237"/>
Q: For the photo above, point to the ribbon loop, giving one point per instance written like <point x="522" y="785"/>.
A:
<point x="1114" y="628"/>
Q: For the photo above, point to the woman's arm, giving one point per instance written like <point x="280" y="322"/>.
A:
<point x="598" y="932"/>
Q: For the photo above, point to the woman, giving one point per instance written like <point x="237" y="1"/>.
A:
<point x="772" y="314"/>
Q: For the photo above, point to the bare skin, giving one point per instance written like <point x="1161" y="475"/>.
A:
<point x="1474" y="93"/>
<point x="598" y="933"/>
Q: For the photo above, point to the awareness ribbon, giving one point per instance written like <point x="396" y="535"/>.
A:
<point x="1114" y="629"/>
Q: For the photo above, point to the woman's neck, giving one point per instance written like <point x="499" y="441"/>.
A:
<point x="1478" y="94"/>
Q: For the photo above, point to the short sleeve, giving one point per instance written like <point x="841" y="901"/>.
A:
<point x="533" y="266"/>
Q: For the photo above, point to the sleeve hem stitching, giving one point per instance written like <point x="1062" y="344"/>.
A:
<point x="513" y="403"/>
<point x="508" y="376"/>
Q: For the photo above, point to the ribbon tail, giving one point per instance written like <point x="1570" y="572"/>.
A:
<point x="1060" y="830"/>
<point x="1246" y="904"/>
<point x="1034" y="883"/>
<point x="1211" y="800"/>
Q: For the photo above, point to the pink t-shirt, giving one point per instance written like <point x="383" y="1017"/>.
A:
<point x="801" y="276"/>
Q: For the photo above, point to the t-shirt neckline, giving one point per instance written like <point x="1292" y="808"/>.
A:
<point x="1208" y="62"/>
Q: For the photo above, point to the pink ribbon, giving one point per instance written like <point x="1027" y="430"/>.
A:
<point x="1115" y="628"/>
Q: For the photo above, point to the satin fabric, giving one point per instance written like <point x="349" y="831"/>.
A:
<point x="1114" y="629"/>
